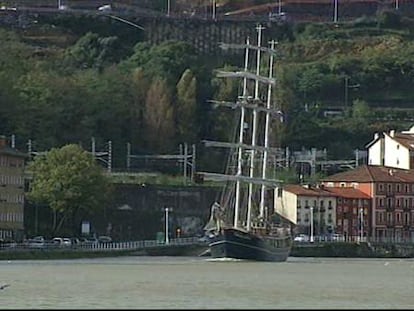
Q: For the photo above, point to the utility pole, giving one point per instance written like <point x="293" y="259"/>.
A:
<point x="167" y="210"/>
<point x="214" y="10"/>
<point x="361" y="212"/>
<point x="311" y="224"/>
<point x="347" y="86"/>
<point x="168" y="7"/>
<point x="335" y="19"/>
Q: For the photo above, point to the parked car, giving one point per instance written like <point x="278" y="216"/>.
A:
<point x="88" y="241"/>
<point x="337" y="237"/>
<point x="36" y="242"/>
<point x="62" y="242"/>
<point x="75" y="241"/>
<point x="67" y="242"/>
<point x="104" y="239"/>
<point x="301" y="238"/>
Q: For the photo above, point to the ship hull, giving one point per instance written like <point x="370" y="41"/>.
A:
<point x="238" y="244"/>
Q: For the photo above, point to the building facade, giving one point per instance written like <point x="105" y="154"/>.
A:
<point x="353" y="213"/>
<point x="392" y="199"/>
<point x="12" y="163"/>
<point x="313" y="207"/>
<point x="392" y="149"/>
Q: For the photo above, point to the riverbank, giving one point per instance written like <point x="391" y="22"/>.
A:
<point x="339" y="249"/>
<point x="60" y="254"/>
<point x="345" y="249"/>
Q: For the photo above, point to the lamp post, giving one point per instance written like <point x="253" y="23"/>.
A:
<point x="361" y="213"/>
<point x="311" y="224"/>
<point x="167" y="210"/>
<point x="168" y="7"/>
<point x="335" y="19"/>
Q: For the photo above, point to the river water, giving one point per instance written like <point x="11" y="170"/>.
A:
<point x="204" y="283"/>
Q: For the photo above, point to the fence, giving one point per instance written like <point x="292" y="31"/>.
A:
<point x="109" y="246"/>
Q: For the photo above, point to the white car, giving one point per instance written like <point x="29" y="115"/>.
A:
<point x="37" y="242"/>
<point x="62" y="242"/>
<point x="301" y="238"/>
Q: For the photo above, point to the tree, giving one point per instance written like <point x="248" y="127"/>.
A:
<point x="159" y="117"/>
<point x="69" y="180"/>
<point x="92" y="51"/>
<point x="187" y="122"/>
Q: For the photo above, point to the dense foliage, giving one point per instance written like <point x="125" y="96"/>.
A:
<point x="155" y="97"/>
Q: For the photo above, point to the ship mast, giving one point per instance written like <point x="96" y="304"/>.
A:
<point x="259" y="29"/>
<point x="267" y="122"/>
<point x="241" y="132"/>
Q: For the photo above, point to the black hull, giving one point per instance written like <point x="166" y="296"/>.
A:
<point x="237" y="244"/>
<point x="177" y="250"/>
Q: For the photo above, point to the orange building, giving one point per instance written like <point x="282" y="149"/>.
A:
<point x="353" y="213"/>
<point x="392" y="199"/>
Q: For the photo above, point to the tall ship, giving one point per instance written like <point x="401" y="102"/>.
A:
<point x="244" y="222"/>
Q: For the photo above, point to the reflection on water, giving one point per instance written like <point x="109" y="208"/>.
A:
<point x="206" y="283"/>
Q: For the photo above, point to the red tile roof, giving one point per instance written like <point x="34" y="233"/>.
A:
<point x="372" y="173"/>
<point x="304" y="191"/>
<point x="348" y="192"/>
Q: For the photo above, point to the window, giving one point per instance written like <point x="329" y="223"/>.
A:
<point x="398" y="217"/>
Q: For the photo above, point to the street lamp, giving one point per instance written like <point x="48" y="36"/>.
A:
<point x="361" y="213"/>
<point x="311" y="224"/>
<point x="335" y="19"/>
<point x="167" y="210"/>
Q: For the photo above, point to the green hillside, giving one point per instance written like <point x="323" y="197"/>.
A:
<point x="68" y="79"/>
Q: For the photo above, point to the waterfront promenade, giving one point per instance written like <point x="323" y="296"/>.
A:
<point x="188" y="246"/>
<point x="194" y="246"/>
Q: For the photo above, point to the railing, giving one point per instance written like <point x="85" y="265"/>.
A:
<point x="356" y="239"/>
<point x="109" y="246"/>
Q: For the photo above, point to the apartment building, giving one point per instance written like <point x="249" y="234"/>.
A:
<point x="308" y="202"/>
<point x="12" y="164"/>
<point x="353" y="213"/>
<point x="341" y="210"/>
<point x="392" y="199"/>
